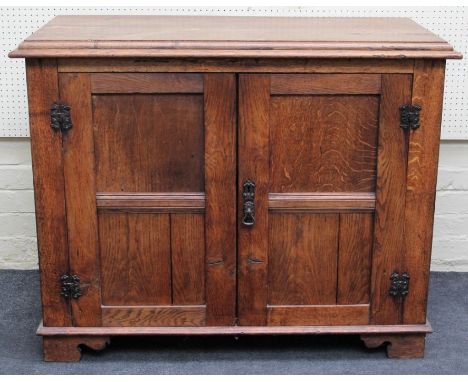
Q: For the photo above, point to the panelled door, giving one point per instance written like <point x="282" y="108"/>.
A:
<point x="150" y="171"/>
<point x="322" y="173"/>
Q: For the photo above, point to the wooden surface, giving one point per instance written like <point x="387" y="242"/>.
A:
<point x="144" y="197"/>
<point x="184" y="315"/>
<point x="310" y="143"/>
<point x="389" y="229"/>
<point x="254" y="156"/>
<point x="80" y="191"/>
<point x="66" y="349"/>
<point x="123" y="127"/>
<point x="49" y="191"/>
<point x="232" y="330"/>
<point x="192" y="36"/>
<point x="302" y="259"/>
<point x="423" y="154"/>
<point x="305" y="134"/>
<point x="220" y="189"/>
<point x="398" y="346"/>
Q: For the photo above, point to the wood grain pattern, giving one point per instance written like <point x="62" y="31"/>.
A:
<point x="302" y="84"/>
<point x="302" y="259"/>
<point x="154" y="316"/>
<point x="315" y="127"/>
<point x="49" y="192"/>
<point x="254" y="99"/>
<point x="139" y="36"/>
<point x="80" y="191"/>
<point x="139" y="150"/>
<point x="67" y="349"/>
<point x="188" y="259"/>
<point x="123" y="83"/>
<point x="318" y="315"/>
<point x="202" y="29"/>
<point x="27" y="51"/>
<point x="389" y="226"/>
<point x="354" y="258"/>
<point x="135" y="259"/>
<point x="398" y="346"/>
<point x="220" y="191"/>
<point x="322" y="202"/>
<point x="428" y="87"/>
<point x="233" y="330"/>
<point x="155" y="201"/>
<point x="236" y="65"/>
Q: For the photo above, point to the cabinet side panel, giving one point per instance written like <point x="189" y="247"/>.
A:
<point x="389" y="229"/>
<point x="220" y="189"/>
<point x="49" y="193"/>
<point x="428" y="87"/>
<point x="80" y="191"/>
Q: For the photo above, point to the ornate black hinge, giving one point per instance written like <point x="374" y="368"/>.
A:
<point x="409" y="116"/>
<point x="248" y="196"/>
<point x="60" y="118"/>
<point x="70" y="286"/>
<point x="399" y="284"/>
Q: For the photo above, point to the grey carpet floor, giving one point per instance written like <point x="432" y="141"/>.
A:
<point x="446" y="348"/>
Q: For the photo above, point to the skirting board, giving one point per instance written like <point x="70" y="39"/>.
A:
<point x="232" y="330"/>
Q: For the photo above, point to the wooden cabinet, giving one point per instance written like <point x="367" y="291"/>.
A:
<point x="199" y="175"/>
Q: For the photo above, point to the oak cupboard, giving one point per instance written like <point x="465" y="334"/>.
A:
<point x="230" y="175"/>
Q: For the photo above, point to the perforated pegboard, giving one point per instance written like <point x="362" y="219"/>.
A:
<point x="451" y="23"/>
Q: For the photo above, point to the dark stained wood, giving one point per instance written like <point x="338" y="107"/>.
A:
<point x="220" y="193"/>
<point x="233" y="330"/>
<point x="135" y="259"/>
<point x="322" y="202"/>
<point x="80" y="191"/>
<point x="302" y="259"/>
<point x="156" y="202"/>
<point x="318" y="315"/>
<point x="254" y="99"/>
<point x="389" y="226"/>
<point x="302" y="84"/>
<point x="188" y="259"/>
<point x="146" y="83"/>
<point x="305" y="134"/>
<point x="188" y="36"/>
<point x="142" y="198"/>
<point x="139" y="150"/>
<point x="49" y="192"/>
<point x="67" y="349"/>
<point x="236" y="65"/>
<point x="354" y="258"/>
<point x="154" y="316"/>
<point x="398" y="345"/>
<point x="428" y="88"/>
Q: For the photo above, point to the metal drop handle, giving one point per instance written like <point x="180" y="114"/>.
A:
<point x="248" y="196"/>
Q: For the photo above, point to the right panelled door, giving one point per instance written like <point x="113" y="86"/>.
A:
<point x="322" y="180"/>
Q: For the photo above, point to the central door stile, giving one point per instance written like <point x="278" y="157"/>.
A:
<point x="220" y="190"/>
<point x="254" y="103"/>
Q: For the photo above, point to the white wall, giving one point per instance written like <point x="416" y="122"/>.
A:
<point x="18" y="231"/>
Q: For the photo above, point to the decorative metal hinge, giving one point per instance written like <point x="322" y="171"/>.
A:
<point x="60" y="118"/>
<point x="409" y="116"/>
<point x="399" y="284"/>
<point x="70" y="286"/>
<point x="248" y="196"/>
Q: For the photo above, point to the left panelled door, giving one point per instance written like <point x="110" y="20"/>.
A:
<point x="149" y="171"/>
